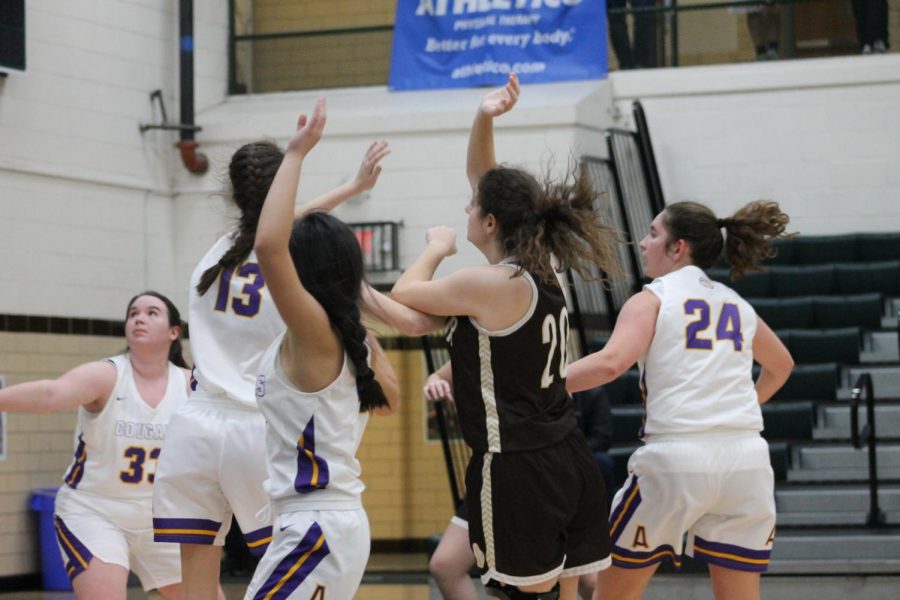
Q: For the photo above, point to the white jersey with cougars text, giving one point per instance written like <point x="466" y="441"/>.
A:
<point x="116" y="450"/>
<point x="696" y="375"/>
<point x="231" y="326"/>
<point x="311" y="439"/>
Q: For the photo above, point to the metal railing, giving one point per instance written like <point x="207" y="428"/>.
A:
<point x="867" y="436"/>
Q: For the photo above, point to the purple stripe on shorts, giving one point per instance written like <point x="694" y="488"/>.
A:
<point x="185" y="531"/>
<point x="731" y="556"/>
<point x="294" y="568"/>
<point x="625" y="510"/>
<point x="257" y="541"/>
<point x="78" y="554"/>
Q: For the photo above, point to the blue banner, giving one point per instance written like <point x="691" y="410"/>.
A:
<point x="469" y="43"/>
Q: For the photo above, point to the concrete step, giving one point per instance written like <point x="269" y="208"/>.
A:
<point x="885" y="381"/>
<point x="838" y="456"/>
<point x="833" y="422"/>
<point x="879" y="347"/>
<point x="841" y="462"/>
<point x="837" y="551"/>
<point x="824" y="505"/>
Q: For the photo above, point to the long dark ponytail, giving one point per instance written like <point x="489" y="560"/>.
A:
<point x="176" y="351"/>
<point x="251" y="172"/>
<point x="748" y="234"/>
<point x="328" y="260"/>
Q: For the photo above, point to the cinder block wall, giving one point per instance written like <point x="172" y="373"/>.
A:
<point x="39" y="447"/>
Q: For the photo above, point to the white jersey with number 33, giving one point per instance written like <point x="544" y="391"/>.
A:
<point x="696" y="375"/>
<point x="116" y="450"/>
<point x="232" y="324"/>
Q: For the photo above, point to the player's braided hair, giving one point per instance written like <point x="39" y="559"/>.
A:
<point x="748" y="234"/>
<point x="540" y="220"/>
<point x="251" y="172"/>
<point x="328" y="261"/>
<point x="176" y="352"/>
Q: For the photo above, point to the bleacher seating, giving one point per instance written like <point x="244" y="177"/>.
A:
<point x="823" y="345"/>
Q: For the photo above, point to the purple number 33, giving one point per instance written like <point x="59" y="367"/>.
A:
<point x="728" y="327"/>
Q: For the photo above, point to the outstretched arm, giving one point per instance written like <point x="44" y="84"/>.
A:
<point x="399" y="316"/>
<point x="365" y="179"/>
<point x="629" y="341"/>
<point x="304" y="316"/>
<point x="88" y="385"/>
<point x="480" y="156"/>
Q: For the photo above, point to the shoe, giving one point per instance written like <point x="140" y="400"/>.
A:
<point x="772" y="54"/>
<point x="879" y="47"/>
<point x="866" y="49"/>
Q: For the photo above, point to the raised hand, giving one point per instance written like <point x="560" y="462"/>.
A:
<point x="370" y="169"/>
<point x="501" y="100"/>
<point x="442" y="238"/>
<point x="309" y="130"/>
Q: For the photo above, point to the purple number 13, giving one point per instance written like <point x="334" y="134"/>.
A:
<point x="728" y="327"/>
<point x="248" y="305"/>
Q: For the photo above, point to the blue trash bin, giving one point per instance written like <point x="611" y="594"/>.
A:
<point x="43" y="501"/>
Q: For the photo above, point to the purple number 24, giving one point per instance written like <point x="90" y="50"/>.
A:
<point x="728" y="327"/>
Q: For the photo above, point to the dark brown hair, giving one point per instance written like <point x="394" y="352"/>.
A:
<point x="328" y="261"/>
<point x="176" y="352"/>
<point x="250" y="172"/>
<point x="540" y="220"/>
<point x="748" y="233"/>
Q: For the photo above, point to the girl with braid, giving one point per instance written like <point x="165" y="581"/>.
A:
<point x="703" y="469"/>
<point x="319" y="381"/>
<point x="535" y="500"/>
<point x="214" y="463"/>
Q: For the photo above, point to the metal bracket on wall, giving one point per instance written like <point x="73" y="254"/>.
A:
<point x="156" y="95"/>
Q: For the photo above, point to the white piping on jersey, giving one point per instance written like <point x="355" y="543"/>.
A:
<point x="492" y="419"/>
<point x="515" y="326"/>
<point x="487" y="512"/>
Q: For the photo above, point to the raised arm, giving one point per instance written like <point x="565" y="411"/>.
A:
<point x="399" y="316"/>
<point x="87" y="385"/>
<point x="480" y="156"/>
<point x="629" y="341"/>
<point x="365" y="179"/>
<point x="304" y="316"/>
<point x="775" y="360"/>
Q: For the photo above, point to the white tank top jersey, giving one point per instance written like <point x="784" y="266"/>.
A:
<point x="231" y="326"/>
<point x="311" y="439"/>
<point x="696" y="375"/>
<point x="117" y="449"/>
